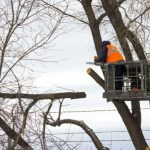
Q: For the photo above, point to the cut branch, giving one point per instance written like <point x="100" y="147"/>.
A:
<point x="71" y="95"/>
<point x="96" y="77"/>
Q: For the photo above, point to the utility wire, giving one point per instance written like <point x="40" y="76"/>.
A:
<point x="112" y="140"/>
<point x="98" y="132"/>
<point x="94" y="110"/>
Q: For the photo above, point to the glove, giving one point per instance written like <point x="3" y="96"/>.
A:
<point x="95" y="59"/>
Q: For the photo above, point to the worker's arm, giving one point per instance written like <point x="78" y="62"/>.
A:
<point x="103" y="57"/>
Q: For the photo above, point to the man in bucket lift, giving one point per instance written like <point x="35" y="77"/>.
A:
<point x="111" y="54"/>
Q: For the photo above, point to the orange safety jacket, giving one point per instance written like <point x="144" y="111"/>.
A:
<point x="113" y="55"/>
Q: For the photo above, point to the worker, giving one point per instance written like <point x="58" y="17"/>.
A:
<point x="111" y="54"/>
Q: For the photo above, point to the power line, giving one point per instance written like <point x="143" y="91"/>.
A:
<point x="89" y="141"/>
<point x="98" y="132"/>
<point x="93" y="110"/>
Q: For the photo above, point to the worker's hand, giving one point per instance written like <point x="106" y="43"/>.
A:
<point x="95" y="59"/>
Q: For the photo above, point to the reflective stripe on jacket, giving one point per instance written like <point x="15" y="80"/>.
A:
<point x="113" y="55"/>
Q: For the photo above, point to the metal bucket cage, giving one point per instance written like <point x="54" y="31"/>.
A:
<point x="127" y="81"/>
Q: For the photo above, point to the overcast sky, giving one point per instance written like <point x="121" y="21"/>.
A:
<point x="76" y="48"/>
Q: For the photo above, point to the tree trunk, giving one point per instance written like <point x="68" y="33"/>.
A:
<point x="132" y="125"/>
<point x="93" y="24"/>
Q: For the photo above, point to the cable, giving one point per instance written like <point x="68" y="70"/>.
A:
<point x="98" y="132"/>
<point x="88" y="141"/>
<point x="94" y="110"/>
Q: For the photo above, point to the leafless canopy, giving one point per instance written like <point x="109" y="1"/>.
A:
<point x="27" y="30"/>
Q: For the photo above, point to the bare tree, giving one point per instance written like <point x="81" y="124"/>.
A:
<point x="27" y="28"/>
<point x="126" y="22"/>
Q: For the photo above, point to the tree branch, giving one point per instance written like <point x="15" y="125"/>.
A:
<point x="88" y="130"/>
<point x="13" y="135"/>
<point x="64" y="12"/>
<point x="71" y="95"/>
<point x="25" y="115"/>
<point x="100" y="18"/>
<point x="140" y="15"/>
<point x="87" y="2"/>
<point x="120" y="2"/>
<point x="96" y="77"/>
<point x="110" y="11"/>
<point x="17" y="137"/>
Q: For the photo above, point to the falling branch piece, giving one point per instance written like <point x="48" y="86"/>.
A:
<point x="96" y="77"/>
<point x="71" y="95"/>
